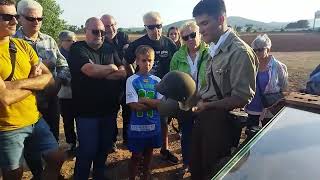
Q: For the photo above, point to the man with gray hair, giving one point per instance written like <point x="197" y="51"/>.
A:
<point x="30" y="19"/>
<point x="164" y="49"/>
<point x="96" y="82"/>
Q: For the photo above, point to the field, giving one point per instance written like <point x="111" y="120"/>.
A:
<point x="300" y="52"/>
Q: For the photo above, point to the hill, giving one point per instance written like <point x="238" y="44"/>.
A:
<point x="236" y="21"/>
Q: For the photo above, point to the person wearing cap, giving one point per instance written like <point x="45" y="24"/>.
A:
<point x="230" y="83"/>
<point x="66" y="39"/>
<point x="164" y="49"/>
<point x="119" y="41"/>
<point x="272" y="80"/>
<point x="191" y="58"/>
<point x="22" y="127"/>
<point x="96" y="83"/>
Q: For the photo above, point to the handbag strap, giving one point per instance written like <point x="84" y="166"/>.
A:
<point x="198" y="71"/>
<point x="12" y="51"/>
<point x="216" y="87"/>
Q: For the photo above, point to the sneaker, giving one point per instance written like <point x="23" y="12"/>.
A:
<point x="168" y="156"/>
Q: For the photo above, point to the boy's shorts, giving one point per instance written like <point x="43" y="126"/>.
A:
<point x="36" y="138"/>
<point x="138" y="145"/>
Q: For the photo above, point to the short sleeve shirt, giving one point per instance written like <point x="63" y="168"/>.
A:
<point x="93" y="97"/>
<point x="164" y="49"/>
<point x="24" y="112"/>
<point x="143" y="124"/>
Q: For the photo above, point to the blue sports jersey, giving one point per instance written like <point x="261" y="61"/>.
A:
<point x="147" y="123"/>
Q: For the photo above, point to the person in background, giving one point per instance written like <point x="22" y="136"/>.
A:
<point x="272" y="78"/>
<point x="313" y="84"/>
<point x="66" y="39"/>
<point x="144" y="132"/>
<point x="164" y="49"/>
<point x="30" y="18"/>
<point x="120" y="42"/>
<point x="174" y="34"/>
<point x="191" y="58"/>
<point x="96" y="83"/>
<point x="22" y="127"/>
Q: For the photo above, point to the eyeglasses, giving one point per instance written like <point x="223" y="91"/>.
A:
<point x="9" y="17"/>
<point x="258" y="50"/>
<point x="33" y="19"/>
<point x="191" y="35"/>
<point x="151" y="27"/>
<point x="98" y="32"/>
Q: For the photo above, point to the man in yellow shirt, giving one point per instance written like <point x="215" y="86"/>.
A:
<point x="22" y="127"/>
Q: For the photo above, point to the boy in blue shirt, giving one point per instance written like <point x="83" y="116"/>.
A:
<point x="144" y="131"/>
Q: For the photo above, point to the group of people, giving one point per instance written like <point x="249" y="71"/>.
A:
<point x="88" y="80"/>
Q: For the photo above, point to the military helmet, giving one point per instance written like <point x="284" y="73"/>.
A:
<point x="177" y="85"/>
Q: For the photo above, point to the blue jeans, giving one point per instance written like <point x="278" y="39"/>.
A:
<point x="36" y="139"/>
<point x="95" y="136"/>
<point x="186" y="120"/>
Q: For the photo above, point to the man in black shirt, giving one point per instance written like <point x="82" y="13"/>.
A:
<point x="96" y="72"/>
<point x="164" y="49"/>
<point x="120" y="42"/>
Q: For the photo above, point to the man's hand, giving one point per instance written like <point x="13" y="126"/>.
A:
<point x="113" y="67"/>
<point x="201" y="106"/>
<point x="35" y="71"/>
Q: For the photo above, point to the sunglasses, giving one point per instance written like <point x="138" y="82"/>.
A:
<point x="33" y="19"/>
<point x="8" y="17"/>
<point x="69" y="40"/>
<point x="98" y="32"/>
<point x="258" y="50"/>
<point x="189" y="36"/>
<point x="151" y="27"/>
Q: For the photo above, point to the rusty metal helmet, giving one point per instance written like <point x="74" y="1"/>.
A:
<point x="177" y="85"/>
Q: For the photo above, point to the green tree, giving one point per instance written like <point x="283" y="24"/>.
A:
<point x="52" y="23"/>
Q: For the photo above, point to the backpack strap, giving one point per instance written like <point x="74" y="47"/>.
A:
<point x="13" y="52"/>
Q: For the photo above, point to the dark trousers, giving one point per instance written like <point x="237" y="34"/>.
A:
<point x="186" y="120"/>
<point x="67" y="113"/>
<point x="95" y="140"/>
<point x="211" y="143"/>
<point x="51" y="115"/>
<point x="126" y="112"/>
<point x="252" y="120"/>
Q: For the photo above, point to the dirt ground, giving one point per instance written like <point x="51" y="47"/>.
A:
<point x="299" y="51"/>
<point x="299" y="64"/>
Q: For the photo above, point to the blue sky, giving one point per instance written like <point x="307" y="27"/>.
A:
<point x="128" y="13"/>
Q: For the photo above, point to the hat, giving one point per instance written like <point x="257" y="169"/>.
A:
<point x="177" y="85"/>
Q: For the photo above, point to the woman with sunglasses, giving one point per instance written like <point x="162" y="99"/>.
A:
<point x="191" y="58"/>
<point x="271" y="80"/>
<point x="174" y="34"/>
